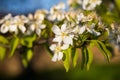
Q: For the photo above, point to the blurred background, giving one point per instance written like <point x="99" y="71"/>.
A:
<point x="41" y="67"/>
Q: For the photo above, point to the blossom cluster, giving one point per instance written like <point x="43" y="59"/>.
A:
<point x="85" y="4"/>
<point x="23" y="24"/>
<point x="74" y="25"/>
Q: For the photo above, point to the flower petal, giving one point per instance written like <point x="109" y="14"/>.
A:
<point x="38" y="31"/>
<point x="64" y="47"/>
<point x="4" y="29"/>
<point x="54" y="58"/>
<point x="13" y="28"/>
<point x="68" y="40"/>
<point x="96" y="33"/>
<point x="56" y="30"/>
<point x="32" y="27"/>
<point x="22" y="28"/>
<point x="52" y="47"/>
<point x="57" y="39"/>
<point x="60" y="56"/>
<point x="42" y="26"/>
<point x="82" y="29"/>
<point x="63" y="27"/>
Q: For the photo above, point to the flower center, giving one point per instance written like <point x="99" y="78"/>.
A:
<point x="63" y="35"/>
<point x="58" y="48"/>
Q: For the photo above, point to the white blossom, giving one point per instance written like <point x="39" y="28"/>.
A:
<point x="7" y="17"/>
<point x="5" y="27"/>
<point x="57" y="13"/>
<point x="40" y="14"/>
<point x="57" y="49"/>
<point x="70" y="2"/>
<point x="62" y="34"/>
<point x="92" y="30"/>
<point x="36" y="27"/>
<point x="79" y="29"/>
<point x="90" y="4"/>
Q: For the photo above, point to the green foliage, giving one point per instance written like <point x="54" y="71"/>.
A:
<point x="87" y="57"/>
<point x="74" y="56"/>
<point x="3" y="40"/>
<point x="118" y="4"/>
<point x="13" y="45"/>
<point x="29" y="54"/>
<point x="2" y="52"/>
<point x="28" y="40"/>
<point x="67" y="58"/>
<point x="102" y="47"/>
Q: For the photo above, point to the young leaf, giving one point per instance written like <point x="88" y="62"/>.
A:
<point x="25" y="62"/>
<point x="66" y="60"/>
<point x="3" y="40"/>
<point x="29" y="53"/>
<point x="2" y="52"/>
<point x="90" y="57"/>
<point x="84" y="57"/>
<point x="117" y="2"/>
<point x="14" y="44"/>
<point x="87" y="57"/>
<point x="28" y="40"/>
<point x="74" y="56"/>
<point x="101" y="46"/>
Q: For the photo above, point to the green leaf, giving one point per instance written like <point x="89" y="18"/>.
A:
<point x="25" y="62"/>
<point x="3" y="40"/>
<point x="84" y="57"/>
<point x="28" y="40"/>
<point x="90" y="57"/>
<point x="66" y="60"/>
<point x="2" y="52"/>
<point x="29" y="53"/>
<point x="27" y="56"/>
<point x="74" y="56"/>
<point x="101" y="46"/>
<point x="14" y="43"/>
<point x="117" y="2"/>
<point x="87" y="57"/>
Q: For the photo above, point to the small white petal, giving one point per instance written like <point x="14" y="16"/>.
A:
<point x="60" y="56"/>
<point x="38" y="31"/>
<point x="68" y="40"/>
<point x="56" y="30"/>
<point x="4" y="29"/>
<point x="65" y="46"/>
<point x="22" y="28"/>
<point x="89" y="30"/>
<point x="52" y="47"/>
<point x="57" y="39"/>
<point x="52" y="17"/>
<point x="32" y="27"/>
<point x="54" y="58"/>
<point x="13" y="28"/>
<point x="63" y="27"/>
<point x="42" y="26"/>
<point x="96" y="33"/>
<point x="82" y="29"/>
